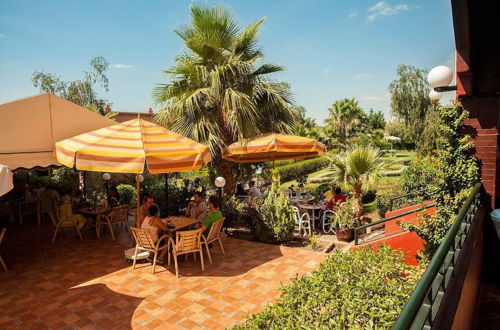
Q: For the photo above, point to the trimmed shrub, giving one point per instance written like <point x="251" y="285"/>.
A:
<point x="359" y="289"/>
<point x="299" y="169"/>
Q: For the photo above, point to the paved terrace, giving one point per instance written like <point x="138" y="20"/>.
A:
<point x="89" y="284"/>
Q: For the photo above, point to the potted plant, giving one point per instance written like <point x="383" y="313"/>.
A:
<point x="345" y="221"/>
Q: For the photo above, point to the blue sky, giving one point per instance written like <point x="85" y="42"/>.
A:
<point x="331" y="48"/>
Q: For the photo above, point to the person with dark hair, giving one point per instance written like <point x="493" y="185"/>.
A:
<point x="213" y="214"/>
<point x="197" y="209"/>
<point x="114" y="197"/>
<point x="153" y="223"/>
<point x="337" y="199"/>
<point x="240" y="191"/>
<point x="148" y="201"/>
<point x="254" y="191"/>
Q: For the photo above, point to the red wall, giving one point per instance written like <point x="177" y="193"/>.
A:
<point x="409" y="242"/>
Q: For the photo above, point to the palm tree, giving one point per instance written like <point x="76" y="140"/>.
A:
<point x="345" y="115"/>
<point x="217" y="94"/>
<point x="357" y="168"/>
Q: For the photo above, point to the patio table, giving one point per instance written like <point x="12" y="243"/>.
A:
<point x="311" y="209"/>
<point x="96" y="213"/>
<point x="178" y="222"/>
<point x="295" y="200"/>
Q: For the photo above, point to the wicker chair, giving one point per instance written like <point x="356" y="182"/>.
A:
<point x="186" y="242"/>
<point x="2" y="234"/>
<point x="59" y="222"/>
<point x="144" y="242"/>
<point x="46" y="204"/>
<point x="213" y="235"/>
<point x="118" y="215"/>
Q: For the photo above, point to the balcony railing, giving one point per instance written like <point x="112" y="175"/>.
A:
<point x="422" y="311"/>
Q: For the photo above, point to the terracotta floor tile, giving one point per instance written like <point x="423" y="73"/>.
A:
<point x="54" y="287"/>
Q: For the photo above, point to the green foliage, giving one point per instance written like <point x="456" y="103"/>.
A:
<point x="344" y="116"/>
<point x="373" y="139"/>
<point x="373" y="121"/>
<point x="358" y="289"/>
<point x="217" y="94"/>
<point x="314" y="240"/>
<point x="346" y="217"/>
<point x="301" y="169"/>
<point x="82" y="92"/>
<point x="128" y="194"/>
<point x="233" y="210"/>
<point x="276" y="222"/>
<point x="64" y="179"/>
<point x="410" y="97"/>
<point x="319" y="192"/>
<point x="403" y="131"/>
<point x="449" y="174"/>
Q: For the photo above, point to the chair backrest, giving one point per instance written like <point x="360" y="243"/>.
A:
<point x="143" y="238"/>
<point x="215" y="229"/>
<point x="56" y="219"/>
<point x="327" y="213"/>
<point x="305" y="217"/>
<point x="47" y="203"/>
<point x="119" y="214"/>
<point x="296" y="213"/>
<point x="2" y="234"/>
<point x="189" y="240"/>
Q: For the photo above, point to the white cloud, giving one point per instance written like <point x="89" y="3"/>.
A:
<point x="375" y="98"/>
<point x="364" y="75"/>
<point x="352" y="15"/>
<point x="121" y="66"/>
<point x="383" y="9"/>
<point x="2" y="35"/>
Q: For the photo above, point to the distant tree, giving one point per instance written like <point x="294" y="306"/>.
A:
<point x="218" y="94"/>
<point x="344" y="116"/>
<point x="81" y="92"/>
<point x="373" y="120"/>
<point x="410" y="100"/>
<point x="401" y="130"/>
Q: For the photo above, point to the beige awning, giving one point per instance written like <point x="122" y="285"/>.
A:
<point x="30" y="127"/>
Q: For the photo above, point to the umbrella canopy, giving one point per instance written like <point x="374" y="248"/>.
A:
<point x="127" y="146"/>
<point x="6" y="180"/>
<point x="29" y="128"/>
<point x="273" y="147"/>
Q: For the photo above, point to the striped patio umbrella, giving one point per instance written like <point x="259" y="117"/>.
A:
<point x="127" y="147"/>
<point x="273" y="147"/>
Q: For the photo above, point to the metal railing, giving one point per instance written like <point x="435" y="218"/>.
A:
<point x="414" y="193"/>
<point x="420" y="312"/>
<point x="371" y="224"/>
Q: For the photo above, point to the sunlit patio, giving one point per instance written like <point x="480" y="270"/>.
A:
<point x="89" y="283"/>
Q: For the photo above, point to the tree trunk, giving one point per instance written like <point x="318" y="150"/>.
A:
<point x="226" y="169"/>
<point x="358" y="200"/>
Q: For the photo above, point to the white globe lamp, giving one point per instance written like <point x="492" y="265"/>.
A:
<point x="440" y="76"/>
<point x="435" y="96"/>
<point x="141" y="178"/>
<point x="106" y="176"/>
<point x="220" y="182"/>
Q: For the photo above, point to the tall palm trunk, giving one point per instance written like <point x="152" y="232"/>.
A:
<point x="226" y="169"/>
<point x="358" y="198"/>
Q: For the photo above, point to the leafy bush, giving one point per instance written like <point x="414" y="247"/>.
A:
<point x="359" y="289"/>
<point x="127" y="194"/>
<point x="64" y="179"/>
<point x="383" y="205"/>
<point x="346" y="216"/>
<point x="233" y="210"/>
<point x="300" y="169"/>
<point x="319" y="192"/>
<point x="369" y="196"/>
<point x="276" y="221"/>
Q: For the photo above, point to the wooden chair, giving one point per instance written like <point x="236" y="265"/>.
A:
<point x="45" y="205"/>
<point x="213" y="235"/>
<point x="144" y="242"/>
<point x="59" y="222"/>
<point x="186" y="242"/>
<point x="118" y="215"/>
<point x="2" y="234"/>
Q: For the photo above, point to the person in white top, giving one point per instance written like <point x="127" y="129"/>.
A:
<point x="152" y="223"/>
<point x="254" y="191"/>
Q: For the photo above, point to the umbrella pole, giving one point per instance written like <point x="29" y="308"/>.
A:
<point x="166" y="192"/>
<point x="138" y="197"/>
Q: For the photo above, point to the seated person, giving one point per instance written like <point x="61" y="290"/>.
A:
<point x="337" y="199"/>
<point x="254" y="191"/>
<point x="240" y="191"/>
<point x="114" y="197"/>
<point x="213" y="215"/>
<point x="197" y="209"/>
<point x="66" y="212"/>
<point x="77" y="198"/>
<point x="153" y="223"/>
<point x="147" y="202"/>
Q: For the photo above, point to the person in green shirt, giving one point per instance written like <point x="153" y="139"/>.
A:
<point x="213" y="214"/>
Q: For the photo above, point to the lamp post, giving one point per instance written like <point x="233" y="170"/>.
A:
<point x="220" y="182"/>
<point x="439" y="78"/>
<point x="106" y="177"/>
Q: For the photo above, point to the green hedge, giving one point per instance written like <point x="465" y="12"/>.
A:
<point x="302" y="168"/>
<point x="359" y="289"/>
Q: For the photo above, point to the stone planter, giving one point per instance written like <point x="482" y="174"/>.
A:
<point x="345" y="235"/>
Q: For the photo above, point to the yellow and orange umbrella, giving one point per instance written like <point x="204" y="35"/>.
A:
<point x="127" y="147"/>
<point x="273" y="147"/>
